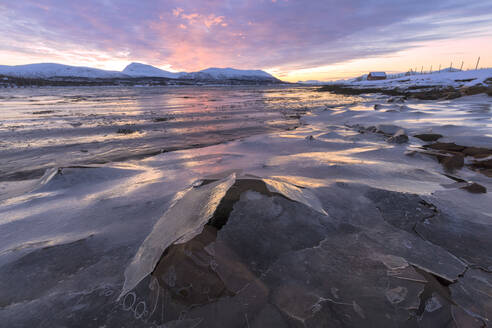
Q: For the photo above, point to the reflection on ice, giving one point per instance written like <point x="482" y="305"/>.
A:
<point x="184" y="219"/>
<point x="193" y="207"/>
<point x="273" y="230"/>
<point x="67" y="126"/>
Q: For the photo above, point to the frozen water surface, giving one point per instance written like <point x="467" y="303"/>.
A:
<point x="243" y="221"/>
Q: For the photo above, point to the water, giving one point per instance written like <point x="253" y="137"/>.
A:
<point x="391" y="219"/>
<point x="53" y="127"/>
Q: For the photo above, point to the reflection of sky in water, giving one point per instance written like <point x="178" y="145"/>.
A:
<point x="86" y="120"/>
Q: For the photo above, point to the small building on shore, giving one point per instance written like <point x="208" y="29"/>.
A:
<point x="376" y="76"/>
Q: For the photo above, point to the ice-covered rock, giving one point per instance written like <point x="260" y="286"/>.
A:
<point x="185" y="218"/>
<point x="399" y="137"/>
<point x="388" y="129"/>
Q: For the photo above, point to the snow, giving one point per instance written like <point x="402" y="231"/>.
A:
<point x="220" y="73"/>
<point x="48" y="70"/>
<point x="143" y="70"/>
<point x="445" y="77"/>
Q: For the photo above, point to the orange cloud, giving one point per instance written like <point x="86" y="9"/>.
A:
<point x="193" y="18"/>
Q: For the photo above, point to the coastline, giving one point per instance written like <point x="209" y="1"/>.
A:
<point x="400" y="230"/>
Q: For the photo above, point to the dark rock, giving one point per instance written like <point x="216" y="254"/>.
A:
<point x="125" y="131"/>
<point x="477" y="152"/>
<point x="396" y="100"/>
<point x="399" y="137"/>
<point x="388" y="129"/>
<point x="452" y="95"/>
<point x="437" y="93"/>
<point x="475" y="188"/>
<point x="454" y="162"/>
<point x="350" y="90"/>
<point x="474" y="90"/>
<point x="482" y="164"/>
<point x="162" y="119"/>
<point x="446" y="146"/>
<point x="487" y="173"/>
<point x="377" y="107"/>
<point x="41" y="112"/>
<point x="428" y="136"/>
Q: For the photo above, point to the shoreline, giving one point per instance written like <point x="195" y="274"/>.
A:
<point x="296" y="222"/>
<point x="425" y="92"/>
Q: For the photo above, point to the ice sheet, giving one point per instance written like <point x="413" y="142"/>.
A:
<point x="395" y="219"/>
<point x="184" y="219"/>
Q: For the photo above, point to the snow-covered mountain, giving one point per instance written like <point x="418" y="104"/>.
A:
<point x="134" y="70"/>
<point x="221" y="73"/>
<point x="48" y="70"/>
<point x="229" y="73"/>
<point x="143" y="70"/>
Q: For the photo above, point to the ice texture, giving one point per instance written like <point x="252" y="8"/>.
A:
<point x="402" y="245"/>
<point x="183" y="220"/>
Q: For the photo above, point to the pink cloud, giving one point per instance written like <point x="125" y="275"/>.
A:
<point x="193" y="35"/>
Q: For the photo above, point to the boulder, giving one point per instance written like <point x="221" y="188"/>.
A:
<point x="388" y="129"/>
<point x="475" y="89"/>
<point x="475" y="188"/>
<point x="446" y="146"/>
<point x="477" y="152"/>
<point x="428" y="137"/>
<point x="454" y="162"/>
<point x="399" y="137"/>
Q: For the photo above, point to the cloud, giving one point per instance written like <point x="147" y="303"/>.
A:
<point x="190" y="35"/>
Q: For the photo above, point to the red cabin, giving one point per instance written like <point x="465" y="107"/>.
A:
<point x="376" y="76"/>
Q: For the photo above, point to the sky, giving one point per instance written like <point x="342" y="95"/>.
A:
<point x="292" y="39"/>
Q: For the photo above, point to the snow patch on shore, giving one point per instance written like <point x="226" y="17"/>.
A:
<point x="440" y="78"/>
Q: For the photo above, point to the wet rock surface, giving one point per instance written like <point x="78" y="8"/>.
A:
<point x="475" y="188"/>
<point x="399" y="137"/>
<point x="452" y="157"/>
<point x="428" y="136"/>
<point x="421" y="92"/>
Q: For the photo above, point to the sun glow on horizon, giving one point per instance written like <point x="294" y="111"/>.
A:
<point x="426" y="56"/>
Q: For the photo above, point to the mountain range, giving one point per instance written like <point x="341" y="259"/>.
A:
<point x="132" y="71"/>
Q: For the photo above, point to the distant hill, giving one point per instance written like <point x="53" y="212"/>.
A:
<point x="143" y="70"/>
<point x="230" y="73"/>
<point x="133" y="72"/>
<point x="49" y="70"/>
<point x="209" y="74"/>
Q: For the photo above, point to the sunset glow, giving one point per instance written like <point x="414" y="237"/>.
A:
<point x="291" y="39"/>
